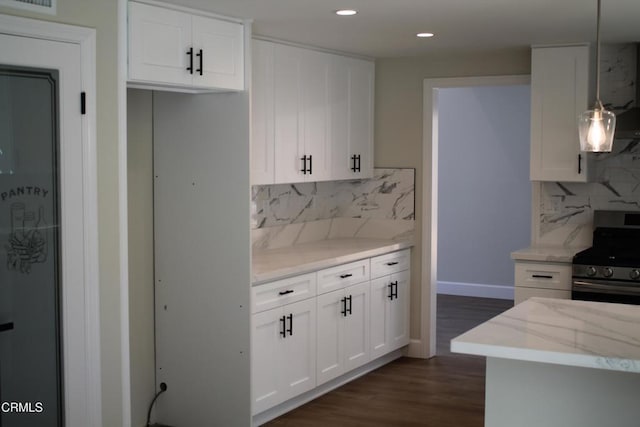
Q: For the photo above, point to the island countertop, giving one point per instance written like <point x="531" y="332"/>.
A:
<point x="563" y="332"/>
<point x="272" y="264"/>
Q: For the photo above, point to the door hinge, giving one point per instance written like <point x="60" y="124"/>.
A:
<point x="83" y="103"/>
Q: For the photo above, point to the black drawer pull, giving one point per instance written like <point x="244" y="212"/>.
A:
<point x="350" y="299"/>
<point x="390" y="296"/>
<point x="344" y="276"/>
<point x="344" y="307"/>
<point x="6" y="326"/>
<point x="392" y="263"/>
<point x="288" y="291"/>
<point x="200" y="55"/>
<point x="541" y="276"/>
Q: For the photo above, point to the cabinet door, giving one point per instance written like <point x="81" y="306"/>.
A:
<point x="219" y="50"/>
<point x="266" y="360"/>
<point x="288" y="125"/>
<point x="315" y="109"/>
<point x="559" y="93"/>
<point x="298" y="370"/>
<point x="158" y="42"/>
<point x="361" y="98"/>
<point x="399" y="311"/>
<point x="330" y="348"/>
<point x="356" y="326"/>
<point x="351" y="107"/>
<point x="262" y="120"/>
<point x="379" y="315"/>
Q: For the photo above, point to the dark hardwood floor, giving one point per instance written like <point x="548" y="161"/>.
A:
<point x="447" y="390"/>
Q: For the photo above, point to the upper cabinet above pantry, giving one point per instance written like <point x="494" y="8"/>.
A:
<point x="312" y="115"/>
<point x="178" y="49"/>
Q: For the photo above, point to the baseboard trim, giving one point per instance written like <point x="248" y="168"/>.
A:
<point x="290" y="404"/>
<point x="476" y="290"/>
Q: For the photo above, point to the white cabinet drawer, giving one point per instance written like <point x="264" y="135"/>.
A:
<point x="390" y="263"/>
<point x="285" y="291"/>
<point x="343" y="275"/>
<point x="543" y="275"/>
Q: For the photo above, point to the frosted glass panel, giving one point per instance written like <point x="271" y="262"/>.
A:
<point x="30" y="355"/>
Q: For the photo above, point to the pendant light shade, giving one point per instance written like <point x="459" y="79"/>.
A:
<point x="596" y="127"/>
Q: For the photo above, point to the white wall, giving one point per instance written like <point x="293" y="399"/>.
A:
<point x="484" y="194"/>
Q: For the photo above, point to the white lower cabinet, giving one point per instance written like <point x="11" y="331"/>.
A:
<point x="542" y="279"/>
<point x="283" y="354"/>
<point x="389" y="313"/>
<point x="343" y="331"/>
<point x="315" y="327"/>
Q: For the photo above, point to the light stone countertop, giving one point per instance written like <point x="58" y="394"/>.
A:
<point x="563" y="332"/>
<point x="273" y="264"/>
<point x="546" y="254"/>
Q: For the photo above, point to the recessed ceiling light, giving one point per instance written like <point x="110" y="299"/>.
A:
<point x="346" y="12"/>
<point x="424" y="35"/>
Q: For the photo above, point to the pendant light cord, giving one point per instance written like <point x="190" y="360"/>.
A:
<point x="598" y="58"/>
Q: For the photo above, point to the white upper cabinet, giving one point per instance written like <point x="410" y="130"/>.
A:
<point x="312" y="115"/>
<point x="182" y="51"/>
<point x="560" y="91"/>
<point x="351" y="100"/>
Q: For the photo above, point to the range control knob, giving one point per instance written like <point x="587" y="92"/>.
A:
<point x="591" y="271"/>
<point x="607" y="272"/>
<point x="634" y="274"/>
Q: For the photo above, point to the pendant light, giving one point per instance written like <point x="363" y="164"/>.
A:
<point x="596" y="127"/>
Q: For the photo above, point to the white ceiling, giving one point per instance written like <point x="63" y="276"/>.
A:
<point x="387" y="28"/>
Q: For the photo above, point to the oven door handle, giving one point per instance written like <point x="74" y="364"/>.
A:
<point x="582" y="286"/>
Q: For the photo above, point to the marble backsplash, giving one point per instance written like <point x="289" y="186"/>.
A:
<point x="380" y="207"/>
<point x="388" y="195"/>
<point x="566" y="209"/>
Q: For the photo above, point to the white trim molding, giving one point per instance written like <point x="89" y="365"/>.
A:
<point x="89" y="374"/>
<point x="479" y="290"/>
<point x="430" y="187"/>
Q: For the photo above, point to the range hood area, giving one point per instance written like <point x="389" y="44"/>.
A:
<point x="628" y="122"/>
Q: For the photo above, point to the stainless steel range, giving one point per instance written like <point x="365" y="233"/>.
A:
<point x="609" y="271"/>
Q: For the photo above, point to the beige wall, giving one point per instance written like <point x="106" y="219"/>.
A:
<point x="141" y="292"/>
<point x="102" y="15"/>
<point x="398" y="126"/>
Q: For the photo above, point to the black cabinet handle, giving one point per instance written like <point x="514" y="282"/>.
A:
<point x="310" y="164"/>
<point x="290" y="330"/>
<point x="353" y="163"/>
<point x="283" y="329"/>
<point x="390" y="286"/>
<point x="344" y="307"/>
<point x="541" y="276"/>
<point x="392" y="263"/>
<point x="344" y="276"/>
<point x="349" y="310"/>
<point x="200" y="55"/>
<point x="358" y="167"/>
<point x="288" y="291"/>
<point x="306" y="170"/>
<point x="6" y="326"/>
<point x="579" y="164"/>
<point x="395" y="289"/>
<point x="190" y="67"/>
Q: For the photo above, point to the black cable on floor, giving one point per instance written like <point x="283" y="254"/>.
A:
<point x="163" y="388"/>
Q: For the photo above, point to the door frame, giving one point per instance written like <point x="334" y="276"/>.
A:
<point x="85" y="38"/>
<point x="429" y="237"/>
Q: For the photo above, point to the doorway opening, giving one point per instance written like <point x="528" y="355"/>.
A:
<point x="476" y="142"/>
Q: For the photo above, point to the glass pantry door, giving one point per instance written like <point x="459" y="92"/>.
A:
<point x="31" y="392"/>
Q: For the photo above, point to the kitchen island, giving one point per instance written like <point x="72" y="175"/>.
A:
<point x="557" y="362"/>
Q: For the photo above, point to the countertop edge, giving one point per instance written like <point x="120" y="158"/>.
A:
<point x="283" y="273"/>
<point x="552" y="357"/>
<point x="558" y="254"/>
